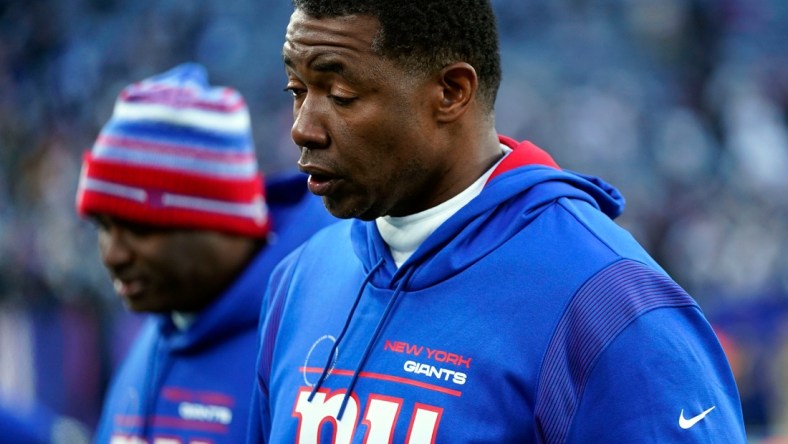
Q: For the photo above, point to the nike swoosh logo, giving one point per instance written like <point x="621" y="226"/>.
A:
<point x="685" y="423"/>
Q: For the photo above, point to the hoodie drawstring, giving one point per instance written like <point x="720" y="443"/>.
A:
<point x="324" y="374"/>
<point x="372" y="341"/>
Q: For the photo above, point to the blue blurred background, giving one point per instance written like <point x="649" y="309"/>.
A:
<point x="682" y="104"/>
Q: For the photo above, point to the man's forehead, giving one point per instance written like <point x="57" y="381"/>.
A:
<point x="309" y="36"/>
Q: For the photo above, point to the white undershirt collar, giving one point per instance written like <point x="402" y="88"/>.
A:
<point x="404" y="234"/>
<point x="183" y="320"/>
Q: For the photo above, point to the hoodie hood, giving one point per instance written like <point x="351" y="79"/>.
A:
<point x="523" y="184"/>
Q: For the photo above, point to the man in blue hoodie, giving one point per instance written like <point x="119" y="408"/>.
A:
<point x="478" y="292"/>
<point x="188" y="233"/>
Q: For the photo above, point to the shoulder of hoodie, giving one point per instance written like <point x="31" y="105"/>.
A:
<point x="330" y="242"/>
<point x="326" y="246"/>
<point x="604" y="230"/>
<point x="573" y="201"/>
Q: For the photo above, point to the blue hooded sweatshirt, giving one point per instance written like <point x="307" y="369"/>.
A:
<point x="529" y="316"/>
<point x="193" y="386"/>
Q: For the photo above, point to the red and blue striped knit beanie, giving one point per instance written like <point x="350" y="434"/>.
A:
<point x="177" y="152"/>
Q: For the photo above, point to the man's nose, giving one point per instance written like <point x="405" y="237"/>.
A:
<point x="114" y="247"/>
<point x="309" y="125"/>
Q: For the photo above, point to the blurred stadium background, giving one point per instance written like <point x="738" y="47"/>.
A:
<point x="682" y="104"/>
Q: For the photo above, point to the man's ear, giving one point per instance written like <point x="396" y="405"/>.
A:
<point x="458" y="84"/>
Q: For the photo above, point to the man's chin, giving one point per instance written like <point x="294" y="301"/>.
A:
<point x="143" y="306"/>
<point x="344" y="210"/>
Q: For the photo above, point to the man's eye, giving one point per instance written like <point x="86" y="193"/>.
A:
<point x="142" y="230"/>
<point x="99" y="223"/>
<point x="295" y="92"/>
<point x="342" y="101"/>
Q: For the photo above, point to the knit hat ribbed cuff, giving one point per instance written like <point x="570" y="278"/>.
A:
<point x="167" y="199"/>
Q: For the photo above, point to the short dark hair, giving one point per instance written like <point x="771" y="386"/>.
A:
<point x="426" y="35"/>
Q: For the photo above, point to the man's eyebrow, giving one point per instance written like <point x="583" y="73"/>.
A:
<point x="324" y="66"/>
<point x="329" y="66"/>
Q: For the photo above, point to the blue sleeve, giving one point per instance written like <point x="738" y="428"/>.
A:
<point x="270" y="317"/>
<point x="665" y="378"/>
<point x="633" y="359"/>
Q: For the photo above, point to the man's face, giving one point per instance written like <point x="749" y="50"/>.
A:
<point x="161" y="270"/>
<point x="362" y="123"/>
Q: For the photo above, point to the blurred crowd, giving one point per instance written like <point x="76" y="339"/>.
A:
<point x="682" y="104"/>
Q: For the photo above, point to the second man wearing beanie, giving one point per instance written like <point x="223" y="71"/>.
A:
<point x="188" y="233"/>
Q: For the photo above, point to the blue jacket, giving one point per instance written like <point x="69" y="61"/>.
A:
<point x="527" y="317"/>
<point x="195" y="385"/>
